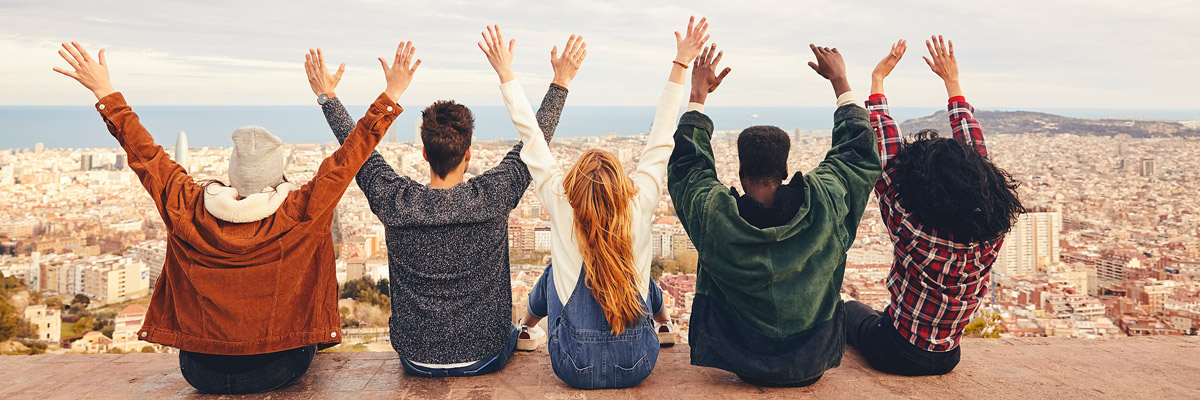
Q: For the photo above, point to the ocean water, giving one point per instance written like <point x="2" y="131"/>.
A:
<point x="211" y="126"/>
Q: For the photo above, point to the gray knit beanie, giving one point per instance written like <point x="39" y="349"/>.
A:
<point x="256" y="162"/>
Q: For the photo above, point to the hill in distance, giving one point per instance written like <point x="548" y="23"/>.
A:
<point x="1026" y="122"/>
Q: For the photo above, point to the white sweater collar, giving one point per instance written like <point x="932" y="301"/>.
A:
<point x="222" y="203"/>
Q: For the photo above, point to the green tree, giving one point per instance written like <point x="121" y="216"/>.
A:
<point x="82" y="300"/>
<point x="10" y="321"/>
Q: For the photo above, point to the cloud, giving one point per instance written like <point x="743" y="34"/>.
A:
<point x="1019" y="53"/>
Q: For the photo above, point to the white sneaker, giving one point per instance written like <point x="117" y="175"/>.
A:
<point x="666" y="334"/>
<point x="530" y="338"/>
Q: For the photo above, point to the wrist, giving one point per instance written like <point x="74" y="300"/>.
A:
<point x="103" y="92"/>
<point x="683" y="60"/>
<point x="506" y="76"/>
<point x="840" y="85"/>
<point x="561" y="81"/>
<point x="698" y="97"/>
<point x="393" y="94"/>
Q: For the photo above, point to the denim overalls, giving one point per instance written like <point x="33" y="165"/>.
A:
<point x="583" y="351"/>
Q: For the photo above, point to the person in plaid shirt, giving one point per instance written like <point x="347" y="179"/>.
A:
<point x="947" y="208"/>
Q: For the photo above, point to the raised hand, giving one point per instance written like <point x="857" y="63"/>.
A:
<point x="689" y="46"/>
<point x="399" y="75"/>
<point x="566" y="66"/>
<point x="830" y="65"/>
<point x="941" y="60"/>
<point x="704" y="74"/>
<point x="886" y="65"/>
<point x="497" y="54"/>
<point x="92" y="74"/>
<point x="319" y="78"/>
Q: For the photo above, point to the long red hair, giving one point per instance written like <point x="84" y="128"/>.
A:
<point x="600" y="194"/>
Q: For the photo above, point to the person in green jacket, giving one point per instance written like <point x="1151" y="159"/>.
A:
<point x="768" y="305"/>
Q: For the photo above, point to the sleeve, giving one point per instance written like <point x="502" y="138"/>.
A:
<point x="511" y="176"/>
<point x="167" y="182"/>
<point x="886" y="129"/>
<point x="692" y="173"/>
<point x="851" y="167"/>
<point x="652" y="167"/>
<point x="543" y="168"/>
<point x="320" y="195"/>
<point x="966" y="128"/>
<point x="378" y="180"/>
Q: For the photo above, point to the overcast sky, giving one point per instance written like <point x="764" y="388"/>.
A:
<point x="1013" y="54"/>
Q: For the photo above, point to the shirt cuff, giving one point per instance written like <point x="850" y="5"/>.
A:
<point x="846" y="98"/>
<point x="694" y="106"/>
<point x="958" y="99"/>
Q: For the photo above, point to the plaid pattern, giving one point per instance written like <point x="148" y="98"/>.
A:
<point x="936" y="284"/>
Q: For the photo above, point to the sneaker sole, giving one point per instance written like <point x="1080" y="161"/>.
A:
<point x="666" y="339"/>
<point x="530" y="344"/>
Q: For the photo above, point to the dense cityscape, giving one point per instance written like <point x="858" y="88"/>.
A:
<point x="1110" y="247"/>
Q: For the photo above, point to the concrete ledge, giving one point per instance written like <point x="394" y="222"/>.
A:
<point x="1151" y="367"/>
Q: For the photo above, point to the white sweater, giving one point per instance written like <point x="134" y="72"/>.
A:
<point x="548" y="185"/>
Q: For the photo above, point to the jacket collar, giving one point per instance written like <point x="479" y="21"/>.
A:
<point x="222" y="203"/>
<point x="788" y="199"/>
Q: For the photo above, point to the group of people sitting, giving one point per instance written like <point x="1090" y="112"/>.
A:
<point x="248" y="291"/>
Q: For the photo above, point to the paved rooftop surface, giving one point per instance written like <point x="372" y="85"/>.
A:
<point x="1151" y="367"/>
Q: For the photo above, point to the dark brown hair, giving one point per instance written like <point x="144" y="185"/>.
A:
<point x="446" y="132"/>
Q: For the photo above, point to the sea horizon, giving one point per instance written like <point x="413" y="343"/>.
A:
<point x="80" y="127"/>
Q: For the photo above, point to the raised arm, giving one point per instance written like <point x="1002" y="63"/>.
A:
<point x="166" y="181"/>
<point x="652" y="166"/>
<point x="319" y="196"/>
<point x="378" y="180"/>
<point x="851" y="166"/>
<point x="943" y="63"/>
<point x="532" y="156"/>
<point x="692" y="173"/>
<point x="886" y="130"/>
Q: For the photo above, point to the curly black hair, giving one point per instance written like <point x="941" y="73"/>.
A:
<point x="947" y="185"/>
<point x="762" y="154"/>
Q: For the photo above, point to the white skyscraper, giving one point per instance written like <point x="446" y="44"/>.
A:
<point x="181" y="151"/>
<point x="1032" y="243"/>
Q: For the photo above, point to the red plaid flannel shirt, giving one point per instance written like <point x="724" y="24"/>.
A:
<point x="936" y="284"/>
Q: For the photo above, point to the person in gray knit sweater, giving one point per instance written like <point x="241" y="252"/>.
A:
<point x="448" y="241"/>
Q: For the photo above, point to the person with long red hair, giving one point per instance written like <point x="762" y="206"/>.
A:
<point x="597" y="295"/>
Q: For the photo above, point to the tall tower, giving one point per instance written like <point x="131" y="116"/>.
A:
<point x="1030" y="244"/>
<point x="181" y="151"/>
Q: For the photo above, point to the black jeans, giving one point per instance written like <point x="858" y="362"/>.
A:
<point x="219" y="374"/>
<point x="876" y="339"/>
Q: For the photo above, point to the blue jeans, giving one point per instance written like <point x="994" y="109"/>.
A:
<point x="485" y="366"/>
<point x="583" y="351"/>
<point x="218" y="374"/>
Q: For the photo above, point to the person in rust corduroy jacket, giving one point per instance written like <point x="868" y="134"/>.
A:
<point x="251" y="288"/>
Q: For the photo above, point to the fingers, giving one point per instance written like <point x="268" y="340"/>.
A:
<point x="70" y="60"/>
<point x="691" y="23"/>
<point x="105" y="63"/>
<point x="703" y="58"/>
<point x="582" y="55"/>
<point x="578" y="44"/>
<point x="75" y="60"/>
<point x="816" y="51"/>
<point x="581" y="52"/>
<point x="554" y="53"/>
<point x="415" y="65"/>
<point x="700" y="30"/>
<point x="399" y="54"/>
<point x="65" y="72"/>
<point x="951" y="43"/>
<point x="717" y="60"/>
<point x="320" y="58"/>
<point x="384" y="63"/>
<point x="814" y="66"/>
<point x="927" y="61"/>
<point x="82" y="52"/>
<point x="723" y="73"/>
<point x="485" y="50"/>
<point x="678" y="38"/>
<point x="341" y="69"/>
<point x="929" y="46"/>
<point x="511" y="43"/>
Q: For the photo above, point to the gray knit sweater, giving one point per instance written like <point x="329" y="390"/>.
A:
<point x="448" y="249"/>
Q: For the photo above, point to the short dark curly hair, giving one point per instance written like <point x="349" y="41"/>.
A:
<point x="947" y="185"/>
<point x="446" y="129"/>
<point x="762" y="154"/>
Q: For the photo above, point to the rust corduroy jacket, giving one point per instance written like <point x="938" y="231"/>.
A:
<point x="249" y="288"/>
